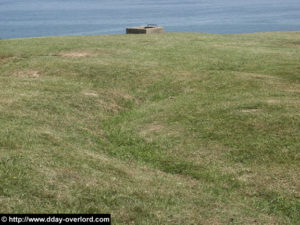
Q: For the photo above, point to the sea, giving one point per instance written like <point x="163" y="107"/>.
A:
<point x="35" y="18"/>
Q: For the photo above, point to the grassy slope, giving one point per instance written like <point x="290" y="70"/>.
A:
<point x="159" y="129"/>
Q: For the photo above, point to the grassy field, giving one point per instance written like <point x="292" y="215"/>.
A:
<point x="178" y="128"/>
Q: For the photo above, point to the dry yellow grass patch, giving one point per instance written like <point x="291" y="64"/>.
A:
<point x="94" y="155"/>
<point x="78" y="54"/>
<point x="294" y="45"/>
<point x="275" y="181"/>
<point x="110" y="106"/>
<point x="284" y="101"/>
<point x="273" y="101"/>
<point x="6" y="203"/>
<point x="184" y="76"/>
<point x="155" y="130"/>
<point x="7" y="100"/>
<point x="92" y="94"/>
<point x="256" y="75"/>
<point x="120" y="93"/>
<point x="250" y="110"/>
<point x="212" y="221"/>
<point x="151" y="128"/>
<point x="28" y="74"/>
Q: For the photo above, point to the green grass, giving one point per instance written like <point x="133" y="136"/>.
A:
<point x="179" y="128"/>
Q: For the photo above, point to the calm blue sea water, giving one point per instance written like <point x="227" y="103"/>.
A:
<point x="31" y="18"/>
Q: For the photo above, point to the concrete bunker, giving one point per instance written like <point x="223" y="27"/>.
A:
<point x="148" y="29"/>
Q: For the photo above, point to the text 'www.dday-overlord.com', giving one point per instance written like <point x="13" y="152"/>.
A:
<point x="56" y="219"/>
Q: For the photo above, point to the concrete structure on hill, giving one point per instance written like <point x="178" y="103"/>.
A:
<point x="149" y="29"/>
